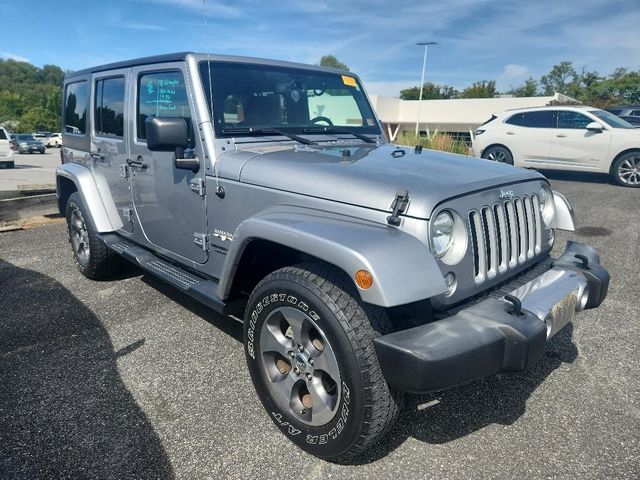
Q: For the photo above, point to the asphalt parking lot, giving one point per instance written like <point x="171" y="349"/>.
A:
<point x="31" y="168"/>
<point x="128" y="378"/>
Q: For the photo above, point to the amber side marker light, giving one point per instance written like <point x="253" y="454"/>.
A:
<point x="364" y="279"/>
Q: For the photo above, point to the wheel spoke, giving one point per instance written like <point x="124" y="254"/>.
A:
<point x="272" y="340"/>
<point x="323" y="402"/>
<point x="284" y="386"/>
<point x="296" y="319"/>
<point x="326" y="361"/>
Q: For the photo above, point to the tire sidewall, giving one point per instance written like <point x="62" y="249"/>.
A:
<point x="337" y="436"/>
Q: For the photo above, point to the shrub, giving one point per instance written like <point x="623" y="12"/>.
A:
<point x="438" y="141"/>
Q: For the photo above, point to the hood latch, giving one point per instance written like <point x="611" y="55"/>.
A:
<point x="398" y="207"/>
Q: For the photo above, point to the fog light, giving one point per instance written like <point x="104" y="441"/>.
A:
<point x="451" y="283"/>
<point x="364" y="279"/>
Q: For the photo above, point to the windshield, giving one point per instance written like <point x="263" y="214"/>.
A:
<point x="260" y="97"/>
<point x="24" y="138"/>
<point x="610" y="119"/>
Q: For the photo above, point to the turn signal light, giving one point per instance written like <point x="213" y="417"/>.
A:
<point x="364" y="279"/>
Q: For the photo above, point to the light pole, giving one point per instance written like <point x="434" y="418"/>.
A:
<point x="424" y="65"/>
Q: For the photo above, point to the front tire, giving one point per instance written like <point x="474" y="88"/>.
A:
<point x="93" y="258"/>
<point x="310" y="353"/>
<point x="499" y="154"/>
<point x="626" y="170"/>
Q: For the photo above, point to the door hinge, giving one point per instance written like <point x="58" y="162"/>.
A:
<point x="197" y="185"/>
<point x="127" y="213"/>
<point x="124" y="170"/>
<point x="202" y="240"/>
<point x="398" y="207"/>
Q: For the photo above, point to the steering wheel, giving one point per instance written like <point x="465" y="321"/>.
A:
<point x="322" y="119"/>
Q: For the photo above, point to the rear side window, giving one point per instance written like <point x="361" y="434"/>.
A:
<point x="75" y="108"/>
<point x="634" y="113"/>
<point x="575" y="120"/>
<point x="109" y="107"/>
<point x="538" y="119"/>
<point x="3" y="134"/>
<point x="162" y="94"/>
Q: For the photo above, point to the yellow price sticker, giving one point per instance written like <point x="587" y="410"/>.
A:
<point x="350" y="81"/>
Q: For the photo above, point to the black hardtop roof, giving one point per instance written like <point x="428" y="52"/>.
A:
<point x="169" y="57"/>
<point x="182" y="56"/>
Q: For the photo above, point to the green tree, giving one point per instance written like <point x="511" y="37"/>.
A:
<point x="559" y="79"/>
<point x="331" y="61"/>
<point x="528" y="89"/>
<point x="430" y="91"/>
<point x="482" y="89"/>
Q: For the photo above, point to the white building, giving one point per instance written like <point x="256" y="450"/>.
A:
<point x="459" y="117"/>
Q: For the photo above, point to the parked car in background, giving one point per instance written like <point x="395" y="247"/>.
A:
<point x="632" y="119"/>
<point x="6" y="154"/>
<point x="27" y="144"/>
<point x="563" y="138"/>
<point x="41" y="134"/>
<point x="54" y="140"/>
<point x="625" y="111"/>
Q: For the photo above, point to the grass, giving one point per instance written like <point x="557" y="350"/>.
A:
<point x="437" y="141"/>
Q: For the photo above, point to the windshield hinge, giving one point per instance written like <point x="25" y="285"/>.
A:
<point x="202" y="240"/>
<point x="197" y="185"/>
<point x="398" y="207"/>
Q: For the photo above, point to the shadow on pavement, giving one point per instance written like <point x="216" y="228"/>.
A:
<point x="585" y="177"/>
<point x="501" y="399"/>
<point x="64" y="410"/>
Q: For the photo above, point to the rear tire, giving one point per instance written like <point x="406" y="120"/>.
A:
<point x="355" y="405"/>
<point x="626" y="170"/>
<point x="499" y="154"/>
<point x="93" y="258"/>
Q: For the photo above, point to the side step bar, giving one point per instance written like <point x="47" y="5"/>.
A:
<point x="203" y="290"/>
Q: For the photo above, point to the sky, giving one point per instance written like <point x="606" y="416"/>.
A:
<point x="506" y="41"/>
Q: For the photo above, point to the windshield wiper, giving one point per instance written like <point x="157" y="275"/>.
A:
<point x="339" y="130"/>
<point x="267" y="131"/>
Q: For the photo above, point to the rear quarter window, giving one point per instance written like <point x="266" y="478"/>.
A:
<point x="3" y="134"/>
<point x="75" y="108"/>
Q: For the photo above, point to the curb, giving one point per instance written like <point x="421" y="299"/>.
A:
<point x="32" y="206"/>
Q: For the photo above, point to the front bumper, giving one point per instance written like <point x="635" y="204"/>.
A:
<point x="490" y="336"/>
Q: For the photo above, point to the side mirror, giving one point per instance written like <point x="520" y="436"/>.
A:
<point x="170" y="134"/>
<point x="595" y="127"/>
<point x="166" y="134"/>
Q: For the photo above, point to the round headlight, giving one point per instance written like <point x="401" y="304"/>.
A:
<point x="442" y="233"/>
<point x="547" y="206"/>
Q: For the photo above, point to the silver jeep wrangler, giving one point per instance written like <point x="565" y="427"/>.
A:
<point x="361" y="269"/>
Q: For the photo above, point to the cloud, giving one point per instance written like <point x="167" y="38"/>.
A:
<point x="136" y="26"/>
<point x="214" y="8"/>
<point x="512" y="75"/>
<point x="13" y="56"/>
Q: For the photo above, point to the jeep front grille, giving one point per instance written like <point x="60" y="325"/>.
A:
<point x="505" y="235"/>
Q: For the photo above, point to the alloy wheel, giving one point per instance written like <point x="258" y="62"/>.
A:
<point x="79" y="236"/>
<point x="300" y="366"/>
<point x="629" y="170"/>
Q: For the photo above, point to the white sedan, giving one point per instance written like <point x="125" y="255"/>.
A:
<point x="563" y="138"/>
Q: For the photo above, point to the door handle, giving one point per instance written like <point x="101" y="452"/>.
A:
<point x="138" y="163"/>
<point x="561" y="135"/>
<point x="96" y="156"/>
<point x="510" y="133"/>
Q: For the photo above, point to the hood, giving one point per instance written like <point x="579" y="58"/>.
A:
<point x="370" y="176"/>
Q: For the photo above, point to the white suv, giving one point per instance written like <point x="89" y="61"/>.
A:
<point x="6" y="155"/>
<point x="563" y="138"/>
